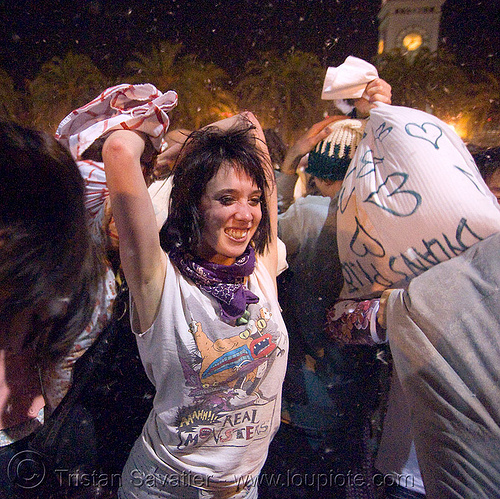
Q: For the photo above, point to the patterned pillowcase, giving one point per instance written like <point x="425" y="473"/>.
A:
<point x="412" y="197"/>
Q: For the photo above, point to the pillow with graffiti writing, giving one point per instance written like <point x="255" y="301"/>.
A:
<point x="412" y="197"/>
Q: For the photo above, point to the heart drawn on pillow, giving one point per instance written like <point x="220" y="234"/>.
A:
<point x="426" y="131"/>
<point x="359" y="247"/>
<point x="368" y="159"/>
<point x="401" y="208"/>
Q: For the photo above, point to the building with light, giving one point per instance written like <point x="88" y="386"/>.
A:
<point x="409" y="25"/>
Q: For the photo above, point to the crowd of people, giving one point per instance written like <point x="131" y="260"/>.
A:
<point x="176" y="320"/>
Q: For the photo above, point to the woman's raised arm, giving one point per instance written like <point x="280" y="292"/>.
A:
<point x="142" y="258"/>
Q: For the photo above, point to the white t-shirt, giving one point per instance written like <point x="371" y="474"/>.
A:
<point x="301" y="225"/>
<point x="218" y="386"/>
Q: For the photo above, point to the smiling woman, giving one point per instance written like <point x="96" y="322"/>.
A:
<point x="226" y="166"/>
<point x="232" y="213"/>
<point x="204" y="310"/>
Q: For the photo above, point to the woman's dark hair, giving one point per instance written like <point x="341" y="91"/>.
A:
<point x="487" y="161"/>
<point x="48" y="262"/>
<point x="203" y="154"/>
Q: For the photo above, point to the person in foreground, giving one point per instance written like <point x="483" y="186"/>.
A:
<point x="204" y="309"/>
<point x="443" y="332"/>
<point x="50" y="281"/>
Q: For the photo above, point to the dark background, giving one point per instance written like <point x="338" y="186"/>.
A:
<point x="226" y="32"/>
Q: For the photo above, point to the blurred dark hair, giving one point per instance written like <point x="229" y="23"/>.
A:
<point x="487" y="160"/>
<point x="48" y="263"/>
<point x="203" y="154"/>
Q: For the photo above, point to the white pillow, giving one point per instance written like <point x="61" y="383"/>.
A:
<point x="412" y="197"/>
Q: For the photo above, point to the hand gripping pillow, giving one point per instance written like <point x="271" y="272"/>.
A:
<point x="411" y="198"/>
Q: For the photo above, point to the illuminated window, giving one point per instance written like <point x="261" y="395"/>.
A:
<point x="412" y="41"/>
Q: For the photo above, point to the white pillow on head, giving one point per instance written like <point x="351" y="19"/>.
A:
<point x="412" y="197"/>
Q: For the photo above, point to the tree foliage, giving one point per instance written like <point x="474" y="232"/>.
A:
<point x="158" y="66"/>
<point x="61" y="86"/>
<point x="428" y="81"/>
<point x="202" y="87"/>
<point x="13" y="103"/>
<point x="433" y="82"/>
<point x="284" y="90"/>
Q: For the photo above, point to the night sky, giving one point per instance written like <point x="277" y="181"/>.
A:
<point x="226" y="32"/>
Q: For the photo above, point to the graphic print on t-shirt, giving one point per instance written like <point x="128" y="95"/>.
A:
<point x="225" y="376"/>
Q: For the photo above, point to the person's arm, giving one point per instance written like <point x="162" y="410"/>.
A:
<point x="306" y="144"/>
<point x="351" y="322"/>
<point x="143" y="260"/>
<point x="165" y="161"/>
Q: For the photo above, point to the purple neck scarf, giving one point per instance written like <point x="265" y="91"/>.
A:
<point x="224" y="282"/>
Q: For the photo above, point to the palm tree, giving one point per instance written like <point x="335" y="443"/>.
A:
<point x="483" y="94"/>
<point x="63" y="85"/>
<point x="428" y="81"/>
<point x="433" y="82"/>
<point x="284" y="90"/>
<point x="13" y="103"/>
<point x="202" y="87"/>
<point x="203" y="94"/>
<point x="260" y="88"/>
<point x="157" y="67"/>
